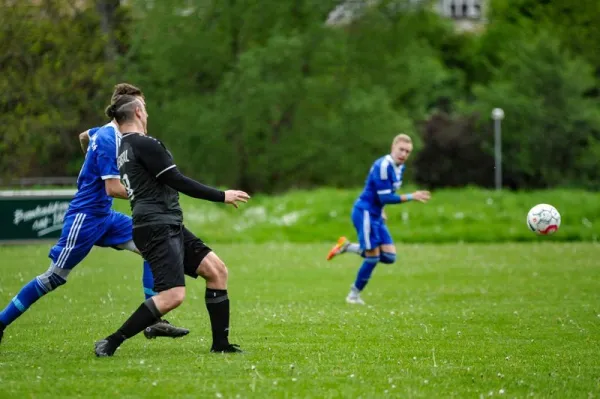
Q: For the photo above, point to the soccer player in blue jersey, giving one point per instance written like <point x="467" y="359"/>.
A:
<point x="89" y="222"/>
<point x="375" y="243"/>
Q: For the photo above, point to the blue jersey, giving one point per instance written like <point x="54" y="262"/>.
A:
<point x="385" y="177"/>
<point x="100" y="164"/>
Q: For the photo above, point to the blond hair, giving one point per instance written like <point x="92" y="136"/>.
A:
<point x="402" y="137"/>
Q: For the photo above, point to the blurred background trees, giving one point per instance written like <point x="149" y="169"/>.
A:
<point x="266" y="96"/>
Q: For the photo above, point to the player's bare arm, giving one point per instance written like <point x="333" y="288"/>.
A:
<point x="115" y="189"/>
<point x="84" y="140"/>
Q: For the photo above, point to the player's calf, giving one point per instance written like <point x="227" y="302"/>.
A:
<point x="214" y="271"/>
<point x="53" y="278"/>
<point x="362" y="277"/>
<point x="144" y="316"/>
<point x="163" y="328"/>
<point x="31" y="292"/>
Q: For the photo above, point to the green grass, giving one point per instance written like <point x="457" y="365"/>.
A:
<point x="464" y="321"/>
<point x="467" y="215"/>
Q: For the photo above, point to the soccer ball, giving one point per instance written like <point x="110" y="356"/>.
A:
<point x="543" y="219"/>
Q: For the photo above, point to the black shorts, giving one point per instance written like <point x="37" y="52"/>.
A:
<point x="172" y="251"/>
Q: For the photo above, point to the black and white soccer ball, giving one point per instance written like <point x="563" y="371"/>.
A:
<point x="543" y="219"/>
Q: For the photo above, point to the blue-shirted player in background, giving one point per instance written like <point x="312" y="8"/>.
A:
<point x="375" y="243"/>
<point x="89" y="222"/>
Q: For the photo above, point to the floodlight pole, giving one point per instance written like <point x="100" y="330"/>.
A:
<point x="497" y="116"/>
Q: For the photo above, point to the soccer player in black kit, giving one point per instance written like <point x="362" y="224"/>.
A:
<point x="153" y="183"/>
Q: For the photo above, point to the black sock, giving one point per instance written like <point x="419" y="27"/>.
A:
<point x="2" y="326"/>
<point x="217" y="304"/>
<point x="146" y="315"/>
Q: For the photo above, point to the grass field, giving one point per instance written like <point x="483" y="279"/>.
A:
<point x="465" y="321"/>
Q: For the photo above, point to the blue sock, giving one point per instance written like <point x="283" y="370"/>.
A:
<point x="365" y="271"/>
<point x="31" y="292"/>
<point x="148" y="281"/>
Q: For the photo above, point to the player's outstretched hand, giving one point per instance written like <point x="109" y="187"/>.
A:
<point x="421" y="196"/>
<point x="234" y="196"/>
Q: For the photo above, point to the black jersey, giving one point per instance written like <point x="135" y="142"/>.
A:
<point x="142" y="159"/>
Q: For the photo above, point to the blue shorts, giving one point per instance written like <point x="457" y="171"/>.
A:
<point x="372" y="231"/>
<point x="82" y="231"/>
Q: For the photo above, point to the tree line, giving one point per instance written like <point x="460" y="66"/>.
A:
<point x="266" y="97"/>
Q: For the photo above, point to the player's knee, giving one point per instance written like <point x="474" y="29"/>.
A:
<point x="221" y="272"/>
<point x="388" y="257"/>
<point x="51" y="280"/>
<point x="213" y="269"/>
<point x="174" y="297"/>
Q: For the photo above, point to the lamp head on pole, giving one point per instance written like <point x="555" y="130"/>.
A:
<point x="497" y="114"/>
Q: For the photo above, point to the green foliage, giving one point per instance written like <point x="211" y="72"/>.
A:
<point x="388" y="51"/>
<point x="575" y="22"/>
<point x="267" y="98"/>
<point x="550" y="122"/>
<point x="285" y="109"/>
<point x="54" y="84"/>
<point x="453" y="215"/>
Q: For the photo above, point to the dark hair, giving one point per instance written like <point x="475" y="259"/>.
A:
<point x="123" y="89"/>
<point x="122" y="109"/>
